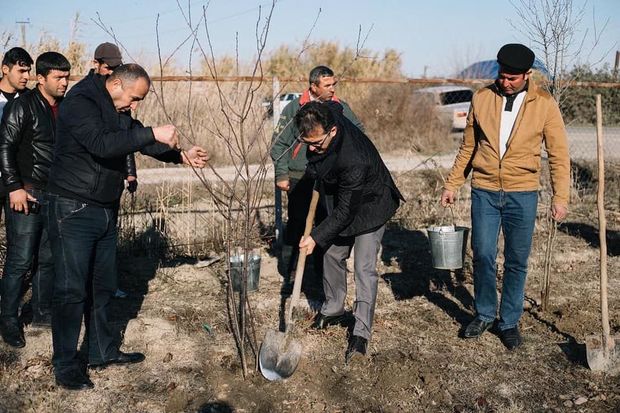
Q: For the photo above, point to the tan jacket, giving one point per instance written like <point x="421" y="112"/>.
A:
<point x="539" y="120"/>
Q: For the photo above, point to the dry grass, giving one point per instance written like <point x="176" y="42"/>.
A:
<point x="176" y="314"/>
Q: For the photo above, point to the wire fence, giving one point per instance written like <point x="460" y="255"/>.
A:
<point x="408" y="119"/>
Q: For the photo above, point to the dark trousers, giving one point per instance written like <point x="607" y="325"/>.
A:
<point x="83" y="239"/>
<point x="27" y="244"/>
<point x="298" y="206"/>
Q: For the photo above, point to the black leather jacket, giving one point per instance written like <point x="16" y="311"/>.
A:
<point x="92" y="144"/>
<point x="27" y="136"/>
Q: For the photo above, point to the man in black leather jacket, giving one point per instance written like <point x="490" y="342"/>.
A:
<point x="27" y="137"/>
<point x="85" y="185"/>
<point x="359" y="196"/>
<point x="16" y="64"/>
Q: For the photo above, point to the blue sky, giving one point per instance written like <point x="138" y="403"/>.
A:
<point x="437" y="36"/>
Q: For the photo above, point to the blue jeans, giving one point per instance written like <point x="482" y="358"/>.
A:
<point x="83" y="239"/>
<point x="27" y="246"/>
<point x="515" y="214"/>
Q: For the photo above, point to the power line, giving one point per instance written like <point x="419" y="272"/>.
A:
<point x="23" y="24"/>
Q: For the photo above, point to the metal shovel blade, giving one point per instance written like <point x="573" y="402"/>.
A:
<point x="602" y="357"/>
<point x="279" y="356"/>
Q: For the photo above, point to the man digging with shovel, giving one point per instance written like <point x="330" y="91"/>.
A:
<point x="359" y="196"/>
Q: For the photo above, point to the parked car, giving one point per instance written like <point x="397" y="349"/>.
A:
<point x="285" y="99"/>
<point x="451" y="101"/>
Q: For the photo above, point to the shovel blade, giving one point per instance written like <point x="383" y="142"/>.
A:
<point x="279" y="356"/>
<point x="601" y="358"/>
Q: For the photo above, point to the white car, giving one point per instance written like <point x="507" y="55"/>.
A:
<point x="452" y="102"/>
<point x="285" y="99"/>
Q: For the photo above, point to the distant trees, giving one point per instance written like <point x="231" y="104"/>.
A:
<point x="578" y="105"/>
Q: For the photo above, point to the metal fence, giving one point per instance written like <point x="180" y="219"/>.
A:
<point x="384" y="107"/>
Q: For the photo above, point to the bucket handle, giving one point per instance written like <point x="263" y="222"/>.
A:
<point x="443" y="215"/>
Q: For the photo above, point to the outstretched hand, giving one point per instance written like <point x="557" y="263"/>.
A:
<point x="196" y="157"/>
<point x="167" y="135"/>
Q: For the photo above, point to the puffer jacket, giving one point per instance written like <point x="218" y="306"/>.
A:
<point x="538" y="121"/>
<point x="27" y="136"/>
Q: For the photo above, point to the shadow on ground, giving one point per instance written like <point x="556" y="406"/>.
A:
<point x="136" y="269"/>
<point x="410" y="250"/>
<point x="590" y="234"/>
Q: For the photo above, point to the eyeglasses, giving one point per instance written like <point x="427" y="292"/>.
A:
<point x="317" y="144"/>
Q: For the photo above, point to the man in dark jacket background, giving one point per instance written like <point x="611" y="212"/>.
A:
<point x="108" y="57"/>
<point x="360" y="196"/>
<point x="27" y="137"/>
<point x="86" y="181"/>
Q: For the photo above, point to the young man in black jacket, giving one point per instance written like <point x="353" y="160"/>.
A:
<point x="16" y="66"/>
<point x="359" y="196"/>
<point x="27" y="137"/>
<point x="86" y="181"/>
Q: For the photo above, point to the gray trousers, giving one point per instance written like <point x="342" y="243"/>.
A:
<point x="366" y="279"/>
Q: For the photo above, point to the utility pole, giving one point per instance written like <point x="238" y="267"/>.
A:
<point x="23" y="24"/>
<point x="616" y="64"/>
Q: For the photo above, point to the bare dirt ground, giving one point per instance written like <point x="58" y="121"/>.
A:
<point x="176" y="315"/>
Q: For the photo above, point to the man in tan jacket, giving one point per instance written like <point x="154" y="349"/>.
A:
<point x="507" y="124"/>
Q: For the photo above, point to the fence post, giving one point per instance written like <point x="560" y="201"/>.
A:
<point x="275" y="99"/>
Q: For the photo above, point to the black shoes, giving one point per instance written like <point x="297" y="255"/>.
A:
<point x="323" y="321"/>
<point x="357" y="345"/>
<point x="74" y="380"/>
<point x="511" y="338"/>
<point x="122" y="358"/>
<point x="12" y="333"/>
<point x="476" y="328"/>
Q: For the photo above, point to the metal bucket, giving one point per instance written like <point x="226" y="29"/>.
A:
<point x="447" y="246"/>
<point x="236" y="271"/>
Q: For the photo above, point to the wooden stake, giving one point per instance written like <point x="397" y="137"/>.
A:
<point x="602" y="225"/>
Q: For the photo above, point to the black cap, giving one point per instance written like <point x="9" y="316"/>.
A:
<point x="109" y="54"/>
<point x="515" y="58"/>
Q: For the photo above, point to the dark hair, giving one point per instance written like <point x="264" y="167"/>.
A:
<point x="16" y="56"/>
<point x="313" y="114"/>
<point x="48" y="61"/>
<point x="318" y="72"/>
<point x="130" y="72"/>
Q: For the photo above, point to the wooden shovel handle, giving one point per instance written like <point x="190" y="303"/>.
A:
<point x="301" y="261"/>
<point x="602" y="224"/>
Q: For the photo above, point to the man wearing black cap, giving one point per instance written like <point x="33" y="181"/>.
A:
<point x="107" y="58"/>
<point x="508" y="122"/>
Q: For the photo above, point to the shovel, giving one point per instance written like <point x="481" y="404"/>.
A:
<point x="602" y="350"/>
<point x="279" y="354"/>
